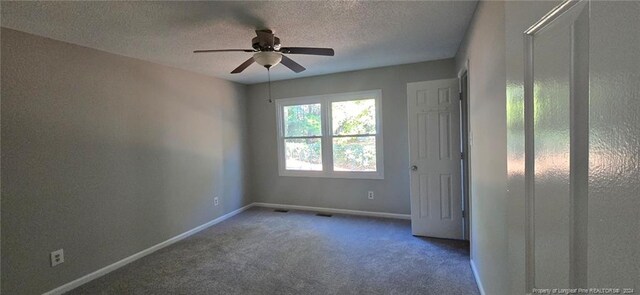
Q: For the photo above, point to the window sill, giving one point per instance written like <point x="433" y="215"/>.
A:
<point x="338" y="175"/>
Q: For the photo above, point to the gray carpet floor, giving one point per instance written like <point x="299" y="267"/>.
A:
<point x="264" y="252"/>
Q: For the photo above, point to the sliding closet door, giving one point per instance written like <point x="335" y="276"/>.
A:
<point x="557" y="86"/>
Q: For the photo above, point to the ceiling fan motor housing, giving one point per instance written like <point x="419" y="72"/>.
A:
<point x="264" y="45"/>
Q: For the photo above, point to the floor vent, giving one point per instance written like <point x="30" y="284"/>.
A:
<point x="324" y="214"/>
<point x="281" y="210"/>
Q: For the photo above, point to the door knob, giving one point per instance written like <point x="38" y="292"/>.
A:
<point x="414" y="168"/>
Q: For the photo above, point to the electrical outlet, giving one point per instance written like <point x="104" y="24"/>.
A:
<point x="57" y="257"/>
<point x="216" y="201"/>
<point x="370" y="195"/>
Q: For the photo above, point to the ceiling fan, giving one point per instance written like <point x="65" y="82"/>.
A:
<point x="268" y="52"/>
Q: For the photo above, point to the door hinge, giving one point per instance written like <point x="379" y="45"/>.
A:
<point x="462" y="155"/>
<point x="464" y="214"/>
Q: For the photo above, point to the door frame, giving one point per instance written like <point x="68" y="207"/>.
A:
<point x="465" y="148"/>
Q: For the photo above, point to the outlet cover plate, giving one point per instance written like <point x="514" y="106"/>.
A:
<point x="57" y="257"/>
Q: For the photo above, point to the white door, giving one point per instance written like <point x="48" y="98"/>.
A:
<point x="434" y="147"/>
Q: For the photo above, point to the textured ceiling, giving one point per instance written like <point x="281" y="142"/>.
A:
<point x="363" y="34"/>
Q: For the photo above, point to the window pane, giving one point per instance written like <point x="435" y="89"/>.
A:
<point x="354" y="117"/>
<point x="303" y="154"/>
<point x="354" y="153"/>
<point x="302" y="120"/>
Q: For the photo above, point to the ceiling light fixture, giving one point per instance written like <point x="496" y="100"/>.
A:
<point x="267" y="59"/>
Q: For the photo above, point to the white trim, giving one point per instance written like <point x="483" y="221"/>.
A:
<point x="529" y="162"/>
<point x="466" y="198"/>
<point x="551" y="16"/>
<point x="109" y="268"/>
<point x="334" y="210"/>
<point x="465" y="68"/>
<point x="327" y="137"/>
<point x="477" y="277"/>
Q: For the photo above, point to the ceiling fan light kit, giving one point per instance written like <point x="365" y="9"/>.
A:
<point x="267" y="59"/>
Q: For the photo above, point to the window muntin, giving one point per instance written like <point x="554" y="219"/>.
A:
<point x="335" y="135"/>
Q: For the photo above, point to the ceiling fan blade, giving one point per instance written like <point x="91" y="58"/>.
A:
<point x="289" y="63"/>
<point x="266" y="37"/>
<point x="308" y="50"/>
<point x="223" y="50"/>
<point x="243" y="66"/>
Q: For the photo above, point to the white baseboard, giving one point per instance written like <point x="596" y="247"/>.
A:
<point x="477" y="277"/>
<point x="336" y="211"/>
<point x="109" y="268"/>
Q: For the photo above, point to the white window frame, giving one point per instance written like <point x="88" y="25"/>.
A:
<point x="327" y="135"/>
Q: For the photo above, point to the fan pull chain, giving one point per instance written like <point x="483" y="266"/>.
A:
<point x="269" y="76"/>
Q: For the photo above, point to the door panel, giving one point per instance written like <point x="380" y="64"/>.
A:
<point x="445" y="196"/>
<point x="434" y="140"/>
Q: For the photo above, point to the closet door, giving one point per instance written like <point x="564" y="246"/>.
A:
<point x="557" y="98"/>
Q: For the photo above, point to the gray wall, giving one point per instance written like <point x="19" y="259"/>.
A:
<point x="105" y="156"/>
<point x="391" y="193"/>
<point x="483" y="47"/>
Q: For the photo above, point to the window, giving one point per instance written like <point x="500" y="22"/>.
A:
<point x="336" y="135"/>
